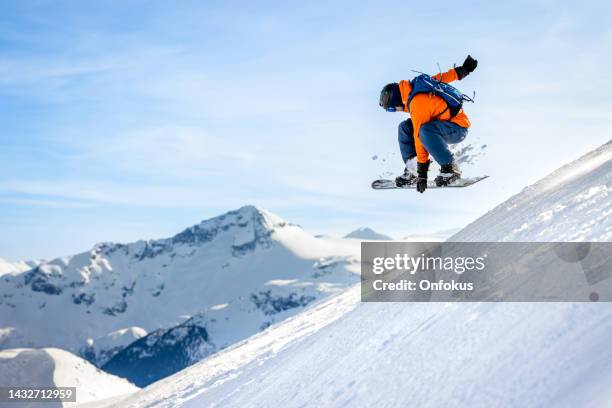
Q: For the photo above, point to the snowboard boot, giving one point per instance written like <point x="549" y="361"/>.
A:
<point x="405" y="179"/>
<point x="449" y="173"/>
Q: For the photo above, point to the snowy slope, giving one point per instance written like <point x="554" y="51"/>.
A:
<point x="224" y="366"/>
<point x="422" y="355"/>
<point x="571" y="204"/>
<point x="228" y="268"/>
<point x="54" y="367"/>
<point x="432" y="354"/>
<point x="367" y="234"/>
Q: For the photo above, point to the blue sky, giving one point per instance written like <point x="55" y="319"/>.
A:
<point x="122" y="120"/>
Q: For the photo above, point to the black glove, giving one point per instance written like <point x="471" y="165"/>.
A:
<point x="422" y="170"/>
<point x="469" y="65"/>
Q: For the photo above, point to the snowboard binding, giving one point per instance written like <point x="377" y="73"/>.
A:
<point x="449" y="173"/>
<point x="406" y="179"/>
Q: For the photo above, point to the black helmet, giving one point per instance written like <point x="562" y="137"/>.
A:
<point x="390" y="96"/>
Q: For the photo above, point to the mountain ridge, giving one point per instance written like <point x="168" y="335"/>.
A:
<point x="117" y="293"/>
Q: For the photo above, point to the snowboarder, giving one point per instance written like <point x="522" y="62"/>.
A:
<point x="436" y="120"/>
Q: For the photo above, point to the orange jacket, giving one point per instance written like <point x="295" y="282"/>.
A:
<point x="425" y="107"/>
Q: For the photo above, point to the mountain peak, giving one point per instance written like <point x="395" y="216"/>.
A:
<point x="248" y="224"/>
<point x="244" y="228"/>
<point x="367" y="233"/>
<point x="257" y="215"/>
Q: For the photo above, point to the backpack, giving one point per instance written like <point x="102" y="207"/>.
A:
<point x="452" y="96"/>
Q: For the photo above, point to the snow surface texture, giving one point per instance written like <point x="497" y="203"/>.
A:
<point x="239" y="273"/>
<point x="344" y="353"/>
<point x="51" y="367"/>
<point x="367" y="234"/>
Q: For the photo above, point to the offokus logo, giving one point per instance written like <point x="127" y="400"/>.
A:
<point x="485" y="271"/>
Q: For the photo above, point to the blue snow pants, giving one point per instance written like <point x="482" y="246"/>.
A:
<point x="435" y="137"/>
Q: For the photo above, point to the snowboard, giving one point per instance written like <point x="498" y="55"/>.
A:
<point x="386" y="184"/>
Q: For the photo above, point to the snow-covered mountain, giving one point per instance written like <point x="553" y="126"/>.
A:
<point x="340" y="352"/>
<point x="238" y="273"/>
<point x="102" y="349"/>
<point x="367" y="234"/>
<point x="7" y="267"/>
<point x="190" y="386"/>
<point x="51" y="367"/>
<point x="166" y="351"/>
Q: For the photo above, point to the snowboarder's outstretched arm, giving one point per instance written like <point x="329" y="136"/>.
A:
<point x="458" y="73"/>
<point x="448" y="76"/>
